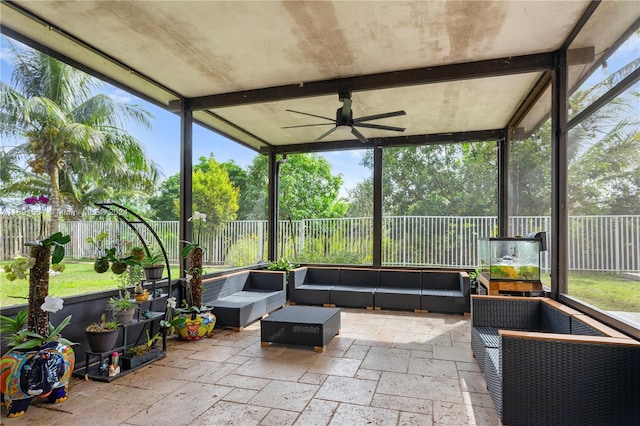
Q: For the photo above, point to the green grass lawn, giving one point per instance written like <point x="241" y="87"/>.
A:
<point x="605" y="291"/>
<point x="77" y="278"/>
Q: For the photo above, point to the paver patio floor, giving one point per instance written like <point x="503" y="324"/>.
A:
<point x="385" y="368"/>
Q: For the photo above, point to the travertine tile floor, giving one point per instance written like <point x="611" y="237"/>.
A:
<point x="385" y="368"/>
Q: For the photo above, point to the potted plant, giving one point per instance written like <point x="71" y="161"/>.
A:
<point x="198" y="323"/>
<point x="41" y="360"/>
<point x="111" y="257"/>
<point x="140" y="354"/>
<point x="140" y="293"/>
<point x="137" y="253"/>
<point x="168" y="326"/>
<point x="122" y="307"/>
<point x="102" y="335"/>
<point x="195" y="253"/>
<point x="153" y="266"/>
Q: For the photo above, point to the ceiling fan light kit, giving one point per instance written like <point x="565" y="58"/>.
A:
<point x="344" y="123"/>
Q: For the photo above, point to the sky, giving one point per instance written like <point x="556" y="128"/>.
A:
<point x="162" y="142"/>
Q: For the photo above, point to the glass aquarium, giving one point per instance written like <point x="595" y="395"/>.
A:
<point x="510" y="259"/>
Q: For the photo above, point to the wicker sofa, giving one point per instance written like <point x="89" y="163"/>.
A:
<point x="240" y="298"/>
<point x="405" y="289"/>
<point x="545" y="363"/>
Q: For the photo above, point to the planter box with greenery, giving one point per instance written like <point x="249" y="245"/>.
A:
<point x="137" y="355"/>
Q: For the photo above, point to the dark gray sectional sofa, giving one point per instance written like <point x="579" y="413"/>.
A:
<point x="417" y="290"/>
<point x="240" y="298"/>
<point x="545" y="363"/>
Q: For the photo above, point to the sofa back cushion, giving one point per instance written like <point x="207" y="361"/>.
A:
<point x="400" y="279"/>
<point x="440" y="280"/>
<point x="330" y="276"/>
<point x="359" y="277"/>
<point x="266" y="280"/>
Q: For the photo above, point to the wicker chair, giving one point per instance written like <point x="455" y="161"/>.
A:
<point x="548" y="375"/>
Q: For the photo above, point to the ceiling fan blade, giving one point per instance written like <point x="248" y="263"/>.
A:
<point x="308" y="125"/>
<point x="359" y="135"/>
<point x="379" y="116"/>
<point x="311" y="115"/>
<point x="380" y="126"/>
<point x="326" y="133"/>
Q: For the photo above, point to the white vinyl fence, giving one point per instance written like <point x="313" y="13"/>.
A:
<point x="596" y="243"/>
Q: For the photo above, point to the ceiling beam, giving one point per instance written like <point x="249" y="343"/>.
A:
<point x="412" y="77"/>
<point x="393" y="141"/>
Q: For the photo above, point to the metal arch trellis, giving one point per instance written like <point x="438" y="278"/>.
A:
<point x="118" y="210"/>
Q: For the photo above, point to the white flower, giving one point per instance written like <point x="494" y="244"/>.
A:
<point x="171" y="302"/>
<point x="52" y="304"/>
<point x="200" y="216"/>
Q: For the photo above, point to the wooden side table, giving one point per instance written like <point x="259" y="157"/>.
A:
<point x="494" y="287"/>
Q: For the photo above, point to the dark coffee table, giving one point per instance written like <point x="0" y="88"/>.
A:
<point x="301" y="325"/>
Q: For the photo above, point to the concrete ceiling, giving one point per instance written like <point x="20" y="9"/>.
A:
<point x="300" y="52"/>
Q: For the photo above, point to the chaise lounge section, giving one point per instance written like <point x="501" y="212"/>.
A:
<point x="545" y="363"/>
<point x="240" y="298"/>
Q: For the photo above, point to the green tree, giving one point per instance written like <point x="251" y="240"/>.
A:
<point x="604" y="159"/>
<point x="240" y="179"/>
<point x="434" y="180"/>
<point x="73" y="138"/>
<point x="213" y="193"/>
<point x="163" y="205"/>
<point x="307" y="188"/>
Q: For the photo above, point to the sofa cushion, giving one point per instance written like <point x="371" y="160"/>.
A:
<point x="367" y="278"/>
<point x="397" y="298"/>
<point x="323" y="276"/>
<point x="352" y="296"/>
<point x="441" y="293"/>
<point x="400" y="279"/>
<point x="441" y="280"/>
<point x="311" y="294"/>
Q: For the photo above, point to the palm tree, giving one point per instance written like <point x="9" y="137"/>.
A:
<point x="72" y="138"/>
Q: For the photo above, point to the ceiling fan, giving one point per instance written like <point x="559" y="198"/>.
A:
<point x="344" y="120"/>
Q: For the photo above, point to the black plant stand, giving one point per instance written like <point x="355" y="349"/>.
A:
<point x="156" y="306"/>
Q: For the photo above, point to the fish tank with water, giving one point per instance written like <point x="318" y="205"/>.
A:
<point x="510" y="259"/>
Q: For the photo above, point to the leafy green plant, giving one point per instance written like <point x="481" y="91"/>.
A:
<point x="121" y="303"/>
<point x="57" y="241"/>
<point x="103" y="326"/>
<point x="138" y="350"/>
<point x="282" y="265"/>
<point x="153" y="259"/>
<point x="18" y="337"/>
